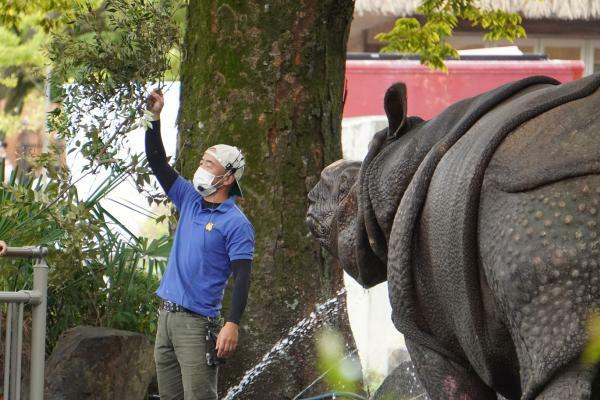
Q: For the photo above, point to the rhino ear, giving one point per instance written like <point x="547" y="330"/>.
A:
<point x="394" y="104"/>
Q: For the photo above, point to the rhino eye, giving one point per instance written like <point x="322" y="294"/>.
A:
<point x="343" y="187"/>
<point x="321" y="231"/>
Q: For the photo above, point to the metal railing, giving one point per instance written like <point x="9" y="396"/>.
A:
<point x="14" y="327"/>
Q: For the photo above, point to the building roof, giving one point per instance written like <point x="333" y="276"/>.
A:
<point x="534" y="9"/>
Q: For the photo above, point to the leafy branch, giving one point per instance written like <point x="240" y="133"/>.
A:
<point x="110" y="63"/>
<point x="442" y="16"/>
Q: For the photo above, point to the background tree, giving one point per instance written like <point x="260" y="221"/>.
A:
<point x="24" y="33"/>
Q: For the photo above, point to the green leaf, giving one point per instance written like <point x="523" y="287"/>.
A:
<point x="408" y="36"/>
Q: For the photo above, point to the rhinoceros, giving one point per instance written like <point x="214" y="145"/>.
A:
<point x="485" y="222"/>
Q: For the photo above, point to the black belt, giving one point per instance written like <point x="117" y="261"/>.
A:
<point x="169" y="306"/>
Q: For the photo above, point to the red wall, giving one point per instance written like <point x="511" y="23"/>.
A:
<point x="429" y="91"/>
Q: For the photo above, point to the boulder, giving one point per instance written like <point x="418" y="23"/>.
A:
<point x="99" y="363"/>
<point x="402" y="383"/>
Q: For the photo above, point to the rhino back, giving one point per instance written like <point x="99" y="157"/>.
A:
<point x="561" y="143"/>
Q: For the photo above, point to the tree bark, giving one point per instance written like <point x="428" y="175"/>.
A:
<point x="268" y="77"/>
<point x="14" y="97"/>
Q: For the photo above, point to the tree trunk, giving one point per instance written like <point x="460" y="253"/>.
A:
<point x="14" y="98"/>
<point x="268" y="77"/>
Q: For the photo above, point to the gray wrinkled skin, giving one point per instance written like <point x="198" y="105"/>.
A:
<point x="498" y="272"/>
<point x="332" y="214"/>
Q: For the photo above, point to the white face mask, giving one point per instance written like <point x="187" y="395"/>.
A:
<point x="203" y="182"/>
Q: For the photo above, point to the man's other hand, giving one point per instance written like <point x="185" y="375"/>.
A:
<point x="227" y="340"/>
<point x="3" y="248"/>
<point x="155" y="103"/>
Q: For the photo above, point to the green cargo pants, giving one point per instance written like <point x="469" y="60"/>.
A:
<point x="180" y="356"/>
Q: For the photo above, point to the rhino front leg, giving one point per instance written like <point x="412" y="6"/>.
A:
<point x="573" y="383"/>
<point x="444" y="379"/>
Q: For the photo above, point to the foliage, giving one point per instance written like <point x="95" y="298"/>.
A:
<point x="110" y="67"/>
<point x="341" y="371"/>
<point x="18" y="52"/>
<point x="22" y="210"/>
<point x="48" y="14"/>
<point x="591" y="354"/>
<point x="109" y="64"/>
<point x="97" y="277"/>
<point x="116" y="288"/>
<point x="100" y="273"/>
<point x="410" y="36"/>
<point x="24" y="27"/>
<point x="21" y="73"/>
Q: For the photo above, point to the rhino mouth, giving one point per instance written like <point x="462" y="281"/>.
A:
<point x="316" y="226"/>
<point x="318" y="220"/>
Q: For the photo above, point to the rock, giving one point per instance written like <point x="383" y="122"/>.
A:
<point x="402" y="383"/>
<point x="397" y="357"/>
<point x="99" y="363"/>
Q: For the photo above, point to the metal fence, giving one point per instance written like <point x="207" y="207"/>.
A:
<point x="13" y="345"/>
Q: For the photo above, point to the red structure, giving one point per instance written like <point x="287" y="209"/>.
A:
<point x="429" y="92"/>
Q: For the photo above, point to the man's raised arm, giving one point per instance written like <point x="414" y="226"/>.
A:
<point x="155" y="151"/>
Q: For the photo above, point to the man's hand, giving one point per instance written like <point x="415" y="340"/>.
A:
<point x="3" y="248"/>
<point x="227" y="340"/>
<point x="155" y="103"/>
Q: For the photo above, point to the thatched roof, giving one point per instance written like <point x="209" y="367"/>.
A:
<point x="535" y="9"/>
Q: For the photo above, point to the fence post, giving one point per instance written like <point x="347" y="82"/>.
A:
<point x="38" y="330"/>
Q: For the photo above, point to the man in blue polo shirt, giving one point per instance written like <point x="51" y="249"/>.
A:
<point x="214" y="239"/>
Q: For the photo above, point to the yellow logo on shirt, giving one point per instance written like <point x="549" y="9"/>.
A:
<point x="209" y="226"/>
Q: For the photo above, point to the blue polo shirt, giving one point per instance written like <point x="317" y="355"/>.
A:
<point x="206" y="242"/>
